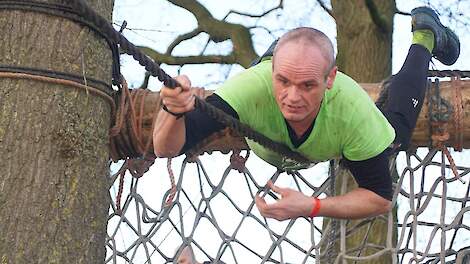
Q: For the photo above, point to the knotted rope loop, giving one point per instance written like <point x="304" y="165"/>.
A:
<point x="237" y="161"/>
<point x="440" y="111"/>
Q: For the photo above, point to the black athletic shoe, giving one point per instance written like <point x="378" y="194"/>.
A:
<point x="446" y="43"/>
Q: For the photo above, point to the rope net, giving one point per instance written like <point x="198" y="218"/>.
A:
<point x="213" y="211"/>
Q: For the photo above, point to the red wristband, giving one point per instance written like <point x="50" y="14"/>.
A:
<point x="316" y="208"/>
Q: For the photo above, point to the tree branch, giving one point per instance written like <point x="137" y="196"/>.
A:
<point x="397" y="11"/>
<point x="323" y="5"/>
<point x="145" y="83"/>
<point x="194" y="7"/>
<point x="182" y="38"/>
<point x="182" y="60"/>
<point x="377" y="18"/>
<point x="218" y="30"/>
<point x="279" y="6"/>
<point x="264" y="28"/>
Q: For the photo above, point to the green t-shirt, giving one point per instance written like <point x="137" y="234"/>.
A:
<point x="348" y="123"/>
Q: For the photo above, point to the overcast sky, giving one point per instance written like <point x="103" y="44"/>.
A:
<point x="165" y="21"/>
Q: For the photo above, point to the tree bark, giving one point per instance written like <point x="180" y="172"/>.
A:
<point x="53" y="142"/>
<point x="364" y="38"/>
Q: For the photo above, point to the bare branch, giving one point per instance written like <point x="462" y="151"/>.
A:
<point x="279" y="6"/>
<point x="182" y="60"/>
<point x="397" y="11"/>
<point x="145" y="83"/>
<point x="323" y="5"/>
<point x="262" y="27"/>
<point x="182" y="38"/>
<point x="193" y="6"/>
<point x="205" y="47"/>
<point x="218" y="30"/>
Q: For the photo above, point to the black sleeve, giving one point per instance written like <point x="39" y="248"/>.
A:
<point x="373" y="174"/>
<point x="199" y="125"/>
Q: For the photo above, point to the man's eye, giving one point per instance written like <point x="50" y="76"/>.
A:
<point x="309" y="86"/>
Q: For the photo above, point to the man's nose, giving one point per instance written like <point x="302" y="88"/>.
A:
<point x="293" y="94"/>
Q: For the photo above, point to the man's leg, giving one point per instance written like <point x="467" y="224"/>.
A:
<point x="406" y="94"/>
<point x="408" y="87"/>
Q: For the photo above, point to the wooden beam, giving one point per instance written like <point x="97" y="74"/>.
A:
<point x="225" y="141"/>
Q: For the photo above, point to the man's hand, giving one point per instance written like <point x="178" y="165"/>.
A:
<point x="292" y="204"/>
<point x="169" y="133"/>
<point x="180" y="99"/>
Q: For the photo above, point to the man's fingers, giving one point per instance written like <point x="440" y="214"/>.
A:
<point x="263" y="207"/>
<point x="266" y="208"/>
<point x="199" y="92"/>
<point x="181" y="98"/>
<point x="170" y="92"/>
<point x="177" y="101"/>
<point x="260" y="203"/>
<point x="184" y="81"/>
<point x="279" y="190"/>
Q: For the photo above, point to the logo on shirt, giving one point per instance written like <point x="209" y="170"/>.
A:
<point x="415" y="102"/>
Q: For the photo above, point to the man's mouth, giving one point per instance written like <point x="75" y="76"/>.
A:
<point x="293" y="108"/>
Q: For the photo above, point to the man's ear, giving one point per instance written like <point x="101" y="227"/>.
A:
<point x="330" y="79"/>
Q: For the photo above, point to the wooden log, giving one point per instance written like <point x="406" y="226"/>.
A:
<point x="421" y="136"/>
<point x="225" y="141"/>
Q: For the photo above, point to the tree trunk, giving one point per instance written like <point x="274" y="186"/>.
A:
<point x="53" y="142"/>
<point x="364" y="36"/>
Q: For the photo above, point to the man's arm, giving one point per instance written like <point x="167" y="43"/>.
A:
<point x="356" y="204"/>
<point x="168" y="135"/>
<point x="169" y="132"/>
<point x="173" y="136"/>
<point x="372" y="198"/>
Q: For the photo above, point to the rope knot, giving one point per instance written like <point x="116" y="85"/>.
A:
<point x="237" y="162"/>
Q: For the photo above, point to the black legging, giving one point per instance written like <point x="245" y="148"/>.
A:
<point x="406" y="94"/>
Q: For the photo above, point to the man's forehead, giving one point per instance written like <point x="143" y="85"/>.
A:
<point x="298" y="51"/>
<point x="298" y="59"/>
<point x="307" y="77"/>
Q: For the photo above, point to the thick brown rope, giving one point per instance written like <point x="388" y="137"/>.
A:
<point x="237" y="162"/>
<point x="121" y="173"/>
<point x="66" y="83"/>
<point x="439" y="128"/>
<point x="127" y="139"/>
<point x="172" y="193"/>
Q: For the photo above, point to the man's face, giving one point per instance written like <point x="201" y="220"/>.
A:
<point x="300" y="81"/>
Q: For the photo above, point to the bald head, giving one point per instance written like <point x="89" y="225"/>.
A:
<point x="306" y="36"/>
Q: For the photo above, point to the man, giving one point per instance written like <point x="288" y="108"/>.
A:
<point x="298" y="97"/>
